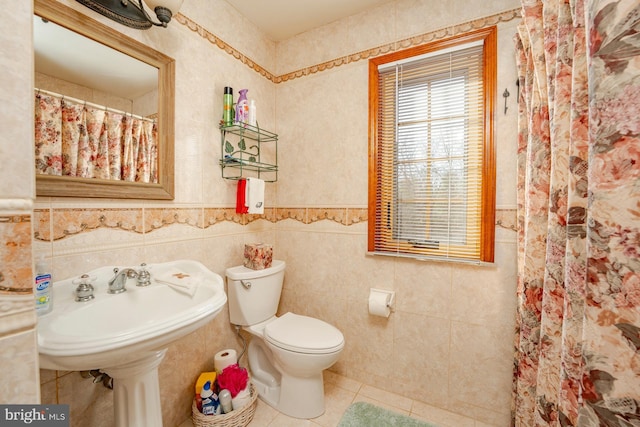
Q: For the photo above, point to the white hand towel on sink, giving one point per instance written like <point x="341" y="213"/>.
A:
<point x="179" y="280"/>
<point x="255" y="195"/>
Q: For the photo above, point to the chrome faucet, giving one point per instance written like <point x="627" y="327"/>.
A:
<point x="116" y="284"/>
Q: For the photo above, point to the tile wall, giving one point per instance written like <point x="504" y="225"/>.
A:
<point x="449" y="341"/>
<point x="18" y="358"/>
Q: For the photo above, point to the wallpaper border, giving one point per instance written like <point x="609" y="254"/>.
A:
<point x="53" y="225"/>
<point x="419" y="39"/>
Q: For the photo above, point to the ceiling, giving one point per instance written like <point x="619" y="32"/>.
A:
<point x="278" y="19"/>
<point x="281" y="19"/>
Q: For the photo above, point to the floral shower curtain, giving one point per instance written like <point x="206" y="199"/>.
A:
<point x="78" y="140"/>
<point x="578" y="340"/>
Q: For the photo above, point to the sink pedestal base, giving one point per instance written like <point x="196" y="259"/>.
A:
<point x="136" y="391"/>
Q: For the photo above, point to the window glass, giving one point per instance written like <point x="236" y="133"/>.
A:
<point x="432" y="165"/>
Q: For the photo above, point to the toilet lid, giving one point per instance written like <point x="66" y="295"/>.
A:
<point x="303" y="334"/>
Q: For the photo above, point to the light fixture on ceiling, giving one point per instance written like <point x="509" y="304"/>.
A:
<point x="132" y="12"/>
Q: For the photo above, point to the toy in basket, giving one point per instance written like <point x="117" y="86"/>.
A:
<point x="237" y="418"/>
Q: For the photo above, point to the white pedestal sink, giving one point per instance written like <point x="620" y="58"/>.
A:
<point x="126" y="335"/>
<point x="136" y="391"/>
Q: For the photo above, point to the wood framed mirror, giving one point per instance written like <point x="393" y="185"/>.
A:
<point x="65" y="186"/>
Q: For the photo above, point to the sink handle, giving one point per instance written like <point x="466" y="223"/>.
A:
<point x="84" y="291"/>
<point x="144" y="277"/>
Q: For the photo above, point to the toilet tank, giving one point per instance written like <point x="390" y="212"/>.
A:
<point x="254" y="294"/>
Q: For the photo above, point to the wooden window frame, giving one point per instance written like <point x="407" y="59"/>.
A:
<point x="488" y="193"/>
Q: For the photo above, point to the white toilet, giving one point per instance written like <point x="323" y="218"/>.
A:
<point x="288" y="353"/>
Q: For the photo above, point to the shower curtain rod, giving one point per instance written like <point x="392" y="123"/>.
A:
<point x="91" y="104"/>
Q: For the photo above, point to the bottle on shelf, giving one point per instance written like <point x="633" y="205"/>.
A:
<point x="252" y="113"/>
<point x="227" y="106"/>
<point x="242" y="107"/>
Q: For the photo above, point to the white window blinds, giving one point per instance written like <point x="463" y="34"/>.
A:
<point x="430" y="155"/>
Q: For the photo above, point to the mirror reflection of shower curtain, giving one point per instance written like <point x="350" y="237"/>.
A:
<point x="74" y="139"/>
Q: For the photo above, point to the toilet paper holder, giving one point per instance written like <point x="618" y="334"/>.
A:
<point x="381" y="302"/>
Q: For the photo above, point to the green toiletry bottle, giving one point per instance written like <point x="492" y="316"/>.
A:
<point x="227" y="107"/>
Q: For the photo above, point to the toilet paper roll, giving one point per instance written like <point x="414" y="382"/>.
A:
<point x="380" y="302"/>
<point x="224" y="358"/>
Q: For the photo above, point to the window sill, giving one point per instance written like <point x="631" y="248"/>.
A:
<point x="432" y="258"/>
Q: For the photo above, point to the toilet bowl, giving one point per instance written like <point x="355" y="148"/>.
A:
<point x="296" y="387"/>
<point x="287" y="354"/>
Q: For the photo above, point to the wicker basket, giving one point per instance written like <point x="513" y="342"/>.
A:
<point x="238" y="418"/>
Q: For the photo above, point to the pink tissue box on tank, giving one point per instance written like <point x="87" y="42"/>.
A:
<point x="258" y="256"/>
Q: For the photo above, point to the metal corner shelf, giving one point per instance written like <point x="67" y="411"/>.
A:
<point x="236" y="158"/>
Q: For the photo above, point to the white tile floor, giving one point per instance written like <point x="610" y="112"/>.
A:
<point x="340" y="392"/>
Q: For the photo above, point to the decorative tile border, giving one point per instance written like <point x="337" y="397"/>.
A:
<point x="332" y="214"/>
<point x="507" y="219"/>
<point x="157" y="218"/>
<point x="213" y="216"/>
<point x="269" y="215"/>
<point x="15" y="219"/>
<point x="343" y="216"/>
<point x="354" y="57"/>
<point x="215" y="40"/>
<point x="42" y="225"/>
<point x="16" y="275"/>
<point x="296" y="214"/>
<point x="70" y="222"/>
<point x="357" y="215"/>
<point x="403" y="44"/>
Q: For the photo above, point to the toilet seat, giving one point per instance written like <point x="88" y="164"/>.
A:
<point x="303" y="334"/>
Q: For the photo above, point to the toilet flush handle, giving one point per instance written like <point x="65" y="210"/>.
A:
<point x="247" y="285"/>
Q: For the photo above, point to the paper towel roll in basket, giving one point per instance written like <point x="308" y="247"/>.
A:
<point x="380" y="302"/>
<point x="224" y="358"/>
